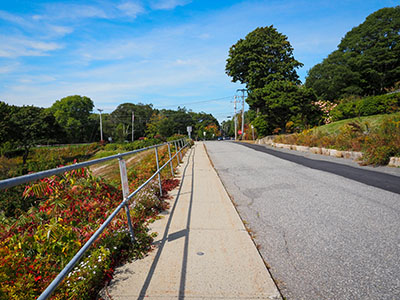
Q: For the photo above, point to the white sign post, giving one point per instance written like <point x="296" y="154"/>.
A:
<point x="189" y="130"/>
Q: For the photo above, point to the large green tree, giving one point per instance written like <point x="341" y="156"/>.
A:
<point x="264" y="61"/>
<point x="367" y="61"/>
<point x="265" y="55"/>
<point x="333" y="78"/>
<point x="121" y="117"/>
<point x="281" y="102"/>
<point x="73" y="115"/>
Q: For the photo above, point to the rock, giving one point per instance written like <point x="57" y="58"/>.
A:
<point x="394" y="162"/>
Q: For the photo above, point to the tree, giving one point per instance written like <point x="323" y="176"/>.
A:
<point x="333" y="78"/>
<point x="160" y="125"/>
<point x="265" y="55"/>
<point x="264" y="62"/>
<point x="201" y="120"/>
<point x="5" y="124"/>
<point x="367" y="61"/>
<point x="31" y="126"/>
<point x="122" y="119"/>
<point x="72" y="114"/>
<point x="281" y="102"/>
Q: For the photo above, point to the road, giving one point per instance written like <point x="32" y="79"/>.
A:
<point x="324" y="236"/>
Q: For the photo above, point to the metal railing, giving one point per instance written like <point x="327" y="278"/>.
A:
<point x="179" y="146"/>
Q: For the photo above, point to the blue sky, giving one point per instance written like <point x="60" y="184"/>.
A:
<point x="164" y="52"/>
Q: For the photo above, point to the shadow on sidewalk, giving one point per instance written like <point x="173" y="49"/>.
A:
<point x="173" y="236"/>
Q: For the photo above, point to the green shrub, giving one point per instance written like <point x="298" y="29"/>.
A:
<point x="368" y="106"/>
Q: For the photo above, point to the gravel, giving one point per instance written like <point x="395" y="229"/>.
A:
<point x="324" y="236"/>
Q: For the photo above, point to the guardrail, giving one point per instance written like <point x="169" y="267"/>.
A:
<point x="179" y="146"/>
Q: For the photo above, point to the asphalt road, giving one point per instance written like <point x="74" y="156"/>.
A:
<point x="323" y="235"/>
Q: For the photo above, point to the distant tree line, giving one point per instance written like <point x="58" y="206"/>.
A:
<point x="367" y="62"/>
<point x="72" y="120"/>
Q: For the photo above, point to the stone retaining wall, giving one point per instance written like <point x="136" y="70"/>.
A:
<point x="357" y="156"/>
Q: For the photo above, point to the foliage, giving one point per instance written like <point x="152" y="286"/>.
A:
<point x="43" y="158"/>
<point x="262" y="126"/>
<point x="367" y="106"/>
<point x="160" y="125"/>
<point x="281" y="102"/>
<point x="168" y="122"/>
<point x="176" y="137"/>
<point x="72" y="114"/>
<point x="367" y="61"/>
<point x="25" y="127"/>
<point x="264" y="56"/>
<point x="70" y="120"/>
<point x="325" y="107"/>
<point x="122" y="116"/>
<point x="5" y="122"/>
<point x="378" y="143"/>
<point x="37" y="245"/>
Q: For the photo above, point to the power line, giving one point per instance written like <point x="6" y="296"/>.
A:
<point x="197" y="102"/>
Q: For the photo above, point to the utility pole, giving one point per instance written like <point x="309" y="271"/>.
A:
<point x="133" y="122"/>
<point x="101" y="125"/>
<point x="235" y="118"/>
<point x="242" y="90"/>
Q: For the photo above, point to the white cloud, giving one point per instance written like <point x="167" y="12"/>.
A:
<point x="60" y="30"/>
<point x="168" y="4"/>
<point x="13" y="19"/>
<point x="9" y="68"/>
<point x="63" y="11"/>
<point x="131" y="9"/>
<point x="12" y="47"/>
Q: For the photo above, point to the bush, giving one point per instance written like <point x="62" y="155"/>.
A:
<point x="368" y="106"/>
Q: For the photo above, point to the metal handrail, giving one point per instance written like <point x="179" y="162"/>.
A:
<point x="10" y="182"/>
<point x="23" y="179"/>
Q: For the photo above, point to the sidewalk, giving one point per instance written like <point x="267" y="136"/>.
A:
<point x="202" y="250"/>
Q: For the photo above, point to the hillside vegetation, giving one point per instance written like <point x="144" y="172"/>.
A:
<point x="36" y="244"/>
<point x="377" y="137"/>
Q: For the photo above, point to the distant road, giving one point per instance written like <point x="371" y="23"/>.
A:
<point x="324" y="235"/>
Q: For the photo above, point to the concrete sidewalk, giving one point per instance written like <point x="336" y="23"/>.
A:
<point x="202" y="250"/>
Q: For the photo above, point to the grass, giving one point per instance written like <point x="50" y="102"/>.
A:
<point x="110" y="169"/>
<point x="373" y="121"/>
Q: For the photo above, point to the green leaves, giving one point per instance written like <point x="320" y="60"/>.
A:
<point x="367" y="61"/>
<point x="262" y="57"/>
<point x="280" y="102"/>
<point x="73" y="115"/>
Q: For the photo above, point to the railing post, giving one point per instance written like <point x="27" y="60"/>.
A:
<point x="170" y="160"/>
<point x="180" y="145"/>
<point x="125" y="193"/>
<point x="176" y="150"/>
<point x="158" y="168"/>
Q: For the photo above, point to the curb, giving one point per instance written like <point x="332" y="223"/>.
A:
<point x="356" y="156"/>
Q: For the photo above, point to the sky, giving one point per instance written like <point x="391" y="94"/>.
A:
<point x="168" y="53"/>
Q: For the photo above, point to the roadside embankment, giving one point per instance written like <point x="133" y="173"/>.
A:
<point x="354" y="155"/>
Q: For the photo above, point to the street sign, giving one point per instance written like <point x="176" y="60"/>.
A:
<point x="239" y="132"/>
